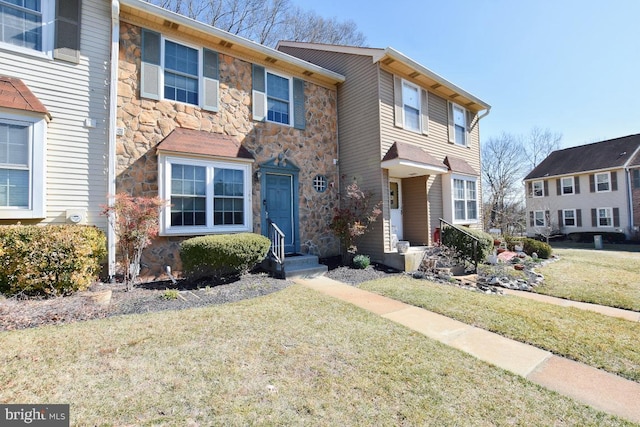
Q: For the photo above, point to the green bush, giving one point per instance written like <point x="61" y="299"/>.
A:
<point x="361" y="261"/>
<point x="512" y="241"/>
<point x="541" y="248"/>
<point x="49" y="260"/>
<point x="222" y="255"/>
<point x="463" y="244"/>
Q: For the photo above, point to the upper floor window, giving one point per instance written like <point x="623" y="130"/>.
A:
<point x="567" y="185"/>
<point x="178" y="72"/>
<point x="465" y="203"/>
<point x="603" y="182"/>
<point x="23" y="24"/>
<point x="278" y="98"/>
<point x="22" y="146"/>
<point x="538" y="189"/>
<point x="411" y="106"/>
<point x="457" y="124"/>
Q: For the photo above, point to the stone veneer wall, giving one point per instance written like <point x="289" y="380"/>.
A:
<point x="147" y="122"/>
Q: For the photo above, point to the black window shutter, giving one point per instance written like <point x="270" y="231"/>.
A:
<point x="546" y="188"/>
<point x="616" y="217"/>
<point x="592" y="184"/>
<point x="560" y="221"/>
<point x="529" y="189"/>
<point x="210" y="64"/>
<point x="576" y="184"/>
<point x="259" y="80"/>
<point x="614" y="181"/>
<point x="579" y="217"/>
<point x="67" y="33"/>
<point x="558" y="187"/>
<point x="636" y="178"/>
<point x="151" y="47"/>
<point x="594" y="218"/>
<point x="299" y="120"/>
<point x="531" y="223"/>
<point x="547" y="219"/>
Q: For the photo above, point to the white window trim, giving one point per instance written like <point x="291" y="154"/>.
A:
<point x="164" y="180"/>
<point x="404" y="118"/>
<point x="564" y="218"/>
<point x="609" y="216"/>
<point x="535" y="219"/>
<point x="464" y="143"/>
<point x="266" y="97"/>
<point x="595" y="179"/>
<point x="533" y="189"/>
<point x="573" y="186"/>
<point x="48" y="34"/>
<point x="37" y="167"/>
<point x="453" y="199"/>
<point x="163" y="41"/>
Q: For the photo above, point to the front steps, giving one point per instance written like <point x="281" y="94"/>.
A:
<point x="296" y="265"/>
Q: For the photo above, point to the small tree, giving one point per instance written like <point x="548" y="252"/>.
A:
<point x="353" y="218"/>
<point x="135" y="223"/>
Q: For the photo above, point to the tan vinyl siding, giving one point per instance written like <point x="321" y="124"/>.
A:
<point x="415" y="210"/>
<point x="76" y="157"/>
<point x="435" y="202"/>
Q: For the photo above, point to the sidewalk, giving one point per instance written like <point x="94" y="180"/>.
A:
<point x="599" y="389"/>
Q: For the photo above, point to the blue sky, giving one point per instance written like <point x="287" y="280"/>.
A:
<point x="568" y="65"/>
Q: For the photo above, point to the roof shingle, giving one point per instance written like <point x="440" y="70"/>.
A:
<point x="189" y="141"/>
<point x="16" y="95"/>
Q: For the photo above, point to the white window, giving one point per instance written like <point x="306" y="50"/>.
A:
<point x="602" y="182"/>
<point x="540" y="219"/>
<point x="22" y="178"/>
<point x="465" y="200"/>
<point x="457" y="124"/>
<point x="569" y="217"/>
<point x="279" y="100"/>
<point x="206" y="196"/>
<point x="605" y="217"/>
<point x="538" y="189"/>
<point x="27" y="25"/>
<point x="411" y="106"/>
<point x="181" y="73"/>
<point x="567" y="185"/>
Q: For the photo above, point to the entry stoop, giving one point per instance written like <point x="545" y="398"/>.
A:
<point x="300" y="265"/>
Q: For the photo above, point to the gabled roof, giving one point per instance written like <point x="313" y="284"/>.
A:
<point x="610" y="154"/>
<point x="189" y="141"/>
<point x="401" y="64"/>
<point x="16" y="95"/>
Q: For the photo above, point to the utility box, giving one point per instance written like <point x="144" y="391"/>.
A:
<point x="597" y="241"/>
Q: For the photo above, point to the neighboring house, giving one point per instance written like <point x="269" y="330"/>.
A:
<point x="234" y="134"/>
<point x="586" y="189"/>
<point x="410" y="137"/>
<point x="54" y="111"/>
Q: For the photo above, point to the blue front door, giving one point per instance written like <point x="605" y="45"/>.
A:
<point x="278" y="206"/>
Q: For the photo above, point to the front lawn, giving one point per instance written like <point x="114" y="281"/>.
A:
<point x="294" y="357"/>
<point x="597" y="340"/>
<point x="609" y="278"/>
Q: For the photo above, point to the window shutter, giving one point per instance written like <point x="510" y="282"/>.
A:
<point x="579" y="217"/>
<point x="558" y="188"/>
<point x="594" y="218"/>
<point x="529" y="189"/>
<point x="636" y="178"/>
<point x="592" y="184"/>
<point x="450" y="128"/>
<point x="546" y="188"/>
<point x="150" y="70"/>
<point x="299" y="119"/>
<point x="547" y="219"/>
<point x="424" y="99"/>
<point x="616" y="217"/>
<point x="397" y="101"/>
<point x="576" y="184"/>
<point x="467" y="134"/>
<point x="67" y="33"/>
<point x="560" y="219"/>
<point x="211" y="80"/>
<point x="531" y="221"/>
<point x="614" y="181"/>
<point x="259" y="97"/>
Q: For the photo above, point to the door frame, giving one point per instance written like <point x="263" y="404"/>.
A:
<point x="279" y="166"/>
<point x="399" y="197"/>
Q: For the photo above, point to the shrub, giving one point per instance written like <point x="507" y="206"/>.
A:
<point x="361" y="261"/>
<point x="222" y="255"/>
<point x="541" y="248"/>
<point x="170" y="294"/>
<point x="49" y="260"/>
<point x="463" y="244"/>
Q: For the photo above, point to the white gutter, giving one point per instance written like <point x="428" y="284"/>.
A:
<point x="111" y="157"/>
<point x="216" y="32"/>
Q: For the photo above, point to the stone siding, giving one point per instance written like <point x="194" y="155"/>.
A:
<point x="147" y="122"/>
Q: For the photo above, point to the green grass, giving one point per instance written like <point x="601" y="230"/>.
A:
<point x="291" y="358"/>
<point x="609" y="278"/>
<point x="597" y="340"/>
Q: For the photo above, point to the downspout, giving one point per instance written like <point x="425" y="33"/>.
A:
<point x="485" y="114"/>
<point x="111" y="157"/>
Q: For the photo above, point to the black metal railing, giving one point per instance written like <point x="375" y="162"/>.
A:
<point x="475" y="242"/>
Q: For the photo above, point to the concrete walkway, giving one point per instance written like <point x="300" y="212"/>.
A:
<point x="599" y="389"/>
